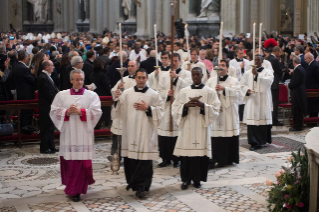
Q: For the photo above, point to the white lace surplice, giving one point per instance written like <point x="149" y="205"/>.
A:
<point x="77" y="136"/>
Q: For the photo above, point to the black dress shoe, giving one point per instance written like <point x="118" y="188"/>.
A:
<point x="197" y="185"/>
<point x="76" y="198"/>
<point x="54" y="149"/>
<point x="252" y="148"/>
<point x="161" y="165"/>
<point x="185" y="185"/>
<point x="141" y="193"/>
<point x="278" y="124"/>
<point x="47" y="151"/>
<point x="176" y="165"/>
<point x="293" y="130"/>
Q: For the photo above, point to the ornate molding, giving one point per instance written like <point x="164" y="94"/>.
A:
<point x="137" y="2"/>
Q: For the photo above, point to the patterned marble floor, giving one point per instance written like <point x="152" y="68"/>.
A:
<point x="25" y="186"/>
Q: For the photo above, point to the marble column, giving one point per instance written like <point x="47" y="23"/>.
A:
<point x="167" y="17"/>
<point x="244" y="16"/>
<point x="312" y="15"/>
<point x="183" y="6"/>
<point x="230" y="16"/>
<point x="87" y="11"/>
<point x="192" y="12"/>
<point x="93" y="17"/>
<point x="80" y="2"/>
<point x="49" y="11"/>
<point x="145" y="19"/>
<point x="25" y="12"/>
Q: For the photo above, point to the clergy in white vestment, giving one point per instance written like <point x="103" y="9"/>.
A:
<point x="266" y="64"/>
<point x="137" y="55"/>
<point x="241" y="65"/>
<point x="255" y="87"/>
<point x="141" y="110"/>
<point x="166" y="138"/>
<point x="194" y="110"/>
<point x="128" y="82"/>
<point x="225" y="129"/>
<point x="231" y="71"/>
<point x="153" y="78"/>
<point x="189" y="65"/>
<point x="75" y="112"/>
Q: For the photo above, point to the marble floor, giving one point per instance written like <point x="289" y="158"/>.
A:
<point x="25" y="186"/>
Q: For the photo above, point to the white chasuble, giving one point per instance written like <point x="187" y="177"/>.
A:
<point x="227" y="122"/>
<point x="258" y="104"/>
<point x="139" y="129"/>
<point x="183" y="80"/>
<point x="77" y="132"/>
<point x="153" y="79"/>
<point x="236" y="64"/>
<point x="197" y="64"/>
<point x="195" y="124"/>
<point x="129" y="82"/>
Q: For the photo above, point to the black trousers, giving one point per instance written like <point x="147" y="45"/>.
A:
<point x="26" y="117"/>
<point x="194" y="168"/>
<point x="225" y="150"/>
<point x="115" y="140"/>
<point x="241" y="112"/>
<point x="138" y="173"/>
<point x="259" y="135"/>
<point x="297" y="116"/>
<point x="46" y="132"/>
<point x="275" y="101"/>
<point x="166" y="148"/>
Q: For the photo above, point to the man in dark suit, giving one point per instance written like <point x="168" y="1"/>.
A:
<point x="312" y="82"/>
<point x="275" y="85"/>
<point x="88" y="66"/>
<point x="298" y="94"/>
<point x="112" y="73"/>
<point x="105" y="57"/>
<point x="299" y="51"/>
<point x="25" y="86"/>
<point x="150" y="62"/>
<point x="47" y="92"/>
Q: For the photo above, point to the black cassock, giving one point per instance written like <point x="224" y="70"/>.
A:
<point x="259" y="135"/>
<point x="194" y="168"/>
<point x="47" y="92"/>
<point x="225" y="150"/>
<point x="298" y="94"/>
<point x="138" y="173"/>
<point x="167" y="145"/>
<point x="312" y="82"/>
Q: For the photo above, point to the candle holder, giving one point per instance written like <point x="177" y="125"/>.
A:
<point x="156" y="67"/>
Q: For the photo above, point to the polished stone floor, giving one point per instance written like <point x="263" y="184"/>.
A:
<point x="25" y="186"/>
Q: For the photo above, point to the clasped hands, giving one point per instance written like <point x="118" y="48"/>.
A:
<point x="74" y="110"/>
<point x="194" y="103"/>
<point x="141" y="106"/>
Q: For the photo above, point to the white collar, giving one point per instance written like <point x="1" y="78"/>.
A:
<point x="296" y="66"/>
<point x="44" y="71"/>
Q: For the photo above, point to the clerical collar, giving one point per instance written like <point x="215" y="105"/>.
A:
<point x="77" y="91"/>
<point x="178" y="70"/>
<point x="239" y="60"/>
<point x="184" y="50"/>
<point x="194" y="62"/>
<point x="131" y="76"/>
<point x="165" y="68"/>
<point x="140" y="90"/>
<point x="260" y="69"/>
<point x="200" y="86"/>
<point x="223" y="78"/>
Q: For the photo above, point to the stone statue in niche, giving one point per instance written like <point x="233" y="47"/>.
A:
<point x="40" y="8"/>
<point x="208" y="7"/>
<point x="286" y="18"/>
<point x="128" y="10"/>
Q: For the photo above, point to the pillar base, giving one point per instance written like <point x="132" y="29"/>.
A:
<point x="83" y="27"/>
<point x="203" y="28"/>
<point x="38" y="27"/>
<point x="129" y="27"/>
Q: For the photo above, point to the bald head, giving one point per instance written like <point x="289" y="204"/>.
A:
<point x="309" y="57"/>
<point x="153" y="53"/>
<point x="132" y="67"/>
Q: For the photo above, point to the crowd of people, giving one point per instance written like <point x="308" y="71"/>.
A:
<point x="188" y="105"/>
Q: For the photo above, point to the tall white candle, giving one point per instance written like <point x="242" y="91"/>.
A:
<point x="260" y="33"/>
<point x="254" y="43"/>
<point x="156" y="47"/>
<point x="220" y="54"/>
<point x="120" y="35"/>
<point x="187" y="42"/>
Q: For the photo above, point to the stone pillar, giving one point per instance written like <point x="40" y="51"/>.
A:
<point x="80" y="2"/>
<point x="25" y="12"/>
<point x="87" y="11"/>
<point x="144" y="20"/>
<point x="192" y="14"/>
<point x="167" y="17"/>
<point x="244" y="16"/>
<point x="49" y="11"/>
<point x="183" y="6"/>
<point x="230" y="17"/>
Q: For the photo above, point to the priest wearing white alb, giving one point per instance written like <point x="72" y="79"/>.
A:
<point x="194" y="110"/>
<point x="136" y="54"/>
<point x="141" y="110"/>
<point x="255" y="87"/>
<point x="153" y="78"/>
<point x="225" y="129"/>
<point x="241" y="65"/>
<point x="75" y="112"/>
<point x="194" y="62"/>
<point x="166" y="138"/>
<point x="128" y="82"/>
